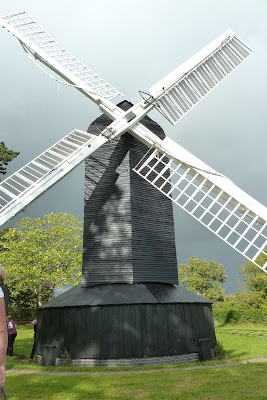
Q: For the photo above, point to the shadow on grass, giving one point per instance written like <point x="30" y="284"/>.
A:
<point x="235" y="329"/>
<point x="40" y="387"/>
<point x="233" y="354"/>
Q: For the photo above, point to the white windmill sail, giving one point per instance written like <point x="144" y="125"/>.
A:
<point x="43" y="47"/>
<point x="183" y="88"/>
<point x="210" y="198"/>
<point x="29" y="182"/>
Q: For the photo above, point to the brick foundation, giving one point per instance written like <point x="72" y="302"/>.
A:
<point x="126" y="362"/>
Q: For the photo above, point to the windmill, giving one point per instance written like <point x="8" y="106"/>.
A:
<point x="129" y="290"/>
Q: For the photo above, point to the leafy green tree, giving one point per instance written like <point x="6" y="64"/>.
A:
<point x="2" y="233"/>
<point x="39" y="254"/>
<point x="204" y="278"/>
<point x="255" y="281"/>
<point x="6" y="156"/>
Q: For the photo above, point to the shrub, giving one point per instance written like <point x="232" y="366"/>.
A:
<point x="65" y="356"/>
<point x="219" y="351"/>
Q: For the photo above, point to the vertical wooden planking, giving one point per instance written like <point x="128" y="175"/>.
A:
<point x="166" y="327"/>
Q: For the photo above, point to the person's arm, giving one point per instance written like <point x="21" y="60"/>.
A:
<point x="3" y="341"/>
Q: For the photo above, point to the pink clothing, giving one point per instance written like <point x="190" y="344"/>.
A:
<point x="11" y="325"/>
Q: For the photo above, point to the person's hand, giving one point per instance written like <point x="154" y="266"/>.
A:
<point x="2" y="375"/>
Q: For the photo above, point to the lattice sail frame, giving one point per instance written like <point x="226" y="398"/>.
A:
<point x="211" y="199"/>
<point x="30" y="181"/>
<point x="39" y="42"/>
<point x="182" y="89"/>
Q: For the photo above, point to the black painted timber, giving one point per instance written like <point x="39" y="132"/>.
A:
<point x="128" y="224"/>
<point x="129" y="303"/>
<point x="126" y="321"/>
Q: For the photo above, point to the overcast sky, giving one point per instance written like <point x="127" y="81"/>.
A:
<point x="132" y="45"/>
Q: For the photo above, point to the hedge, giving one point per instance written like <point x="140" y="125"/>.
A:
<point x="232" y="316"/>
<point x="22" y="312"/>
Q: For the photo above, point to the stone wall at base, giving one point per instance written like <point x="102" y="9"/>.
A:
<point x="128" y="362"/>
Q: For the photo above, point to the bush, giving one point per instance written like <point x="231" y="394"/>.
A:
<point x="219" y="351"/>
<point x="244" y="300"/>
<point x="233" y="316"/>
<point x="65" y="356"/>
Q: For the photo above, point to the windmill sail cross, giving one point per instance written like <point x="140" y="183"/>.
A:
<point x="210" y="198"/>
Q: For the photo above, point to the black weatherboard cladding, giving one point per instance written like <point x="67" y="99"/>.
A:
<point x="128" y="224"/>
<point x="126" y="331"/>
<point x="126" y="321"/>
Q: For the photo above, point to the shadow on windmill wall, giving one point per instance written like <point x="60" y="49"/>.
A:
<point x="107" y="228"/>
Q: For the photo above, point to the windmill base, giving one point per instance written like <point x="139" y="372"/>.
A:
<point x="122" y="324"/>
<point x="125" y="362"/>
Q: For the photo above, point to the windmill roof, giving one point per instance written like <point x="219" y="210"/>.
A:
<point x="112" y="294"/>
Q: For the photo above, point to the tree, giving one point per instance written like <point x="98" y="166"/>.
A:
<point x="39" y="254"/>
<point x="2" y="233"/>
<point x="255" y="281"/>
<point x="203" y="278"/>
<point x="6" y="156"/>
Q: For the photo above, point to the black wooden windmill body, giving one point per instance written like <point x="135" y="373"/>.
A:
<point x="129" y="307"/>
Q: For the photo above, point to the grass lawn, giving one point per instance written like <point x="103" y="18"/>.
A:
<point x="243" y="342"/>
<point x="233" y="382"/>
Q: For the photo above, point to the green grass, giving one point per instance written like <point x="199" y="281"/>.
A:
<point x="242" y="342"/>
<point x="22" y="346"/>
<point x="232" y="383"/>
<point x="247" y="330"/>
